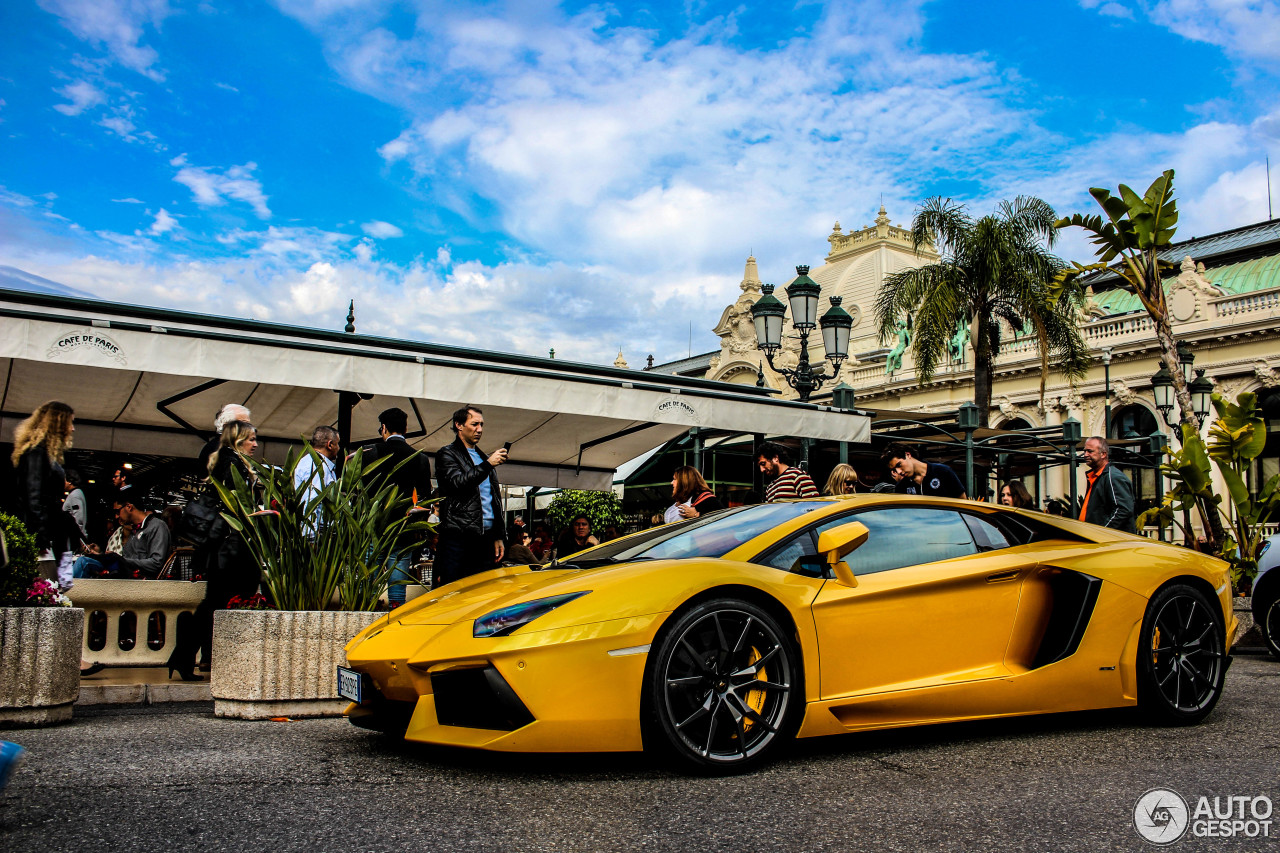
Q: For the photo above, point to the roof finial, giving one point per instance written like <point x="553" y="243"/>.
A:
<point x="351" y="318"/>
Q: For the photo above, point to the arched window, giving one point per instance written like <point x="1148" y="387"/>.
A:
<point x="1133" y="422"/>
<point x="1267" y="465"/>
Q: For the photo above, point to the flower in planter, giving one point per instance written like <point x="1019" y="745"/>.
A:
<point x="46" y="593"/>
<point x="257" y="601"/>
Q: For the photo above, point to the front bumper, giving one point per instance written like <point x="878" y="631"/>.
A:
<point x="575" y="689"/>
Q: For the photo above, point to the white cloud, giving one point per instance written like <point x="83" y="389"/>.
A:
<point x="116" y="25"/>
<point x="1246" y="28"/>
<point x="163" y="223"/>
<point x="381" y="230"/>
<point x="211" y="188"/>
<point x="119" y="124"/>
<point x="82" y="95"/>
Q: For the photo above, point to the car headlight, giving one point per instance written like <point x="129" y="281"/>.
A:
<point x="499" y="623"/>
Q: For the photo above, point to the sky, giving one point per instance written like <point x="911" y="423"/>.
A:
<point x="585" y="176"/>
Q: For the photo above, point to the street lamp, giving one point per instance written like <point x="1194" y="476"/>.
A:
<point x="1186" y="358"/>
<point x="768" y="313"/>
<point x="1106" y="380"/>
<point x="1162" y="386"/>
<point x="1201" y="395"/>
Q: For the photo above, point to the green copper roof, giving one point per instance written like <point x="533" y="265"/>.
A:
<point x="1235" y="279"/>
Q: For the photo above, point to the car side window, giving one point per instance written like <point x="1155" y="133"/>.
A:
<point x="988" y="536"/>
<point x="906" y="536"/>
<point x="798" y="556"/>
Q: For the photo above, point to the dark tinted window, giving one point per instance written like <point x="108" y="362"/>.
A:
<point x="798" y="555"/>
<point x="906" y="536"/>
<point x="988" y="536"/>
<point x="712" y="535"/>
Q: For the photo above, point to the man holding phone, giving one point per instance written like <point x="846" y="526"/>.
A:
<point x="472" y="531"/>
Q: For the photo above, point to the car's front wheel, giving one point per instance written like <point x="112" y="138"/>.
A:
<point x="1270" y="626"/>
<point x="1181" y="656"/>
<point x="725" y="685"/>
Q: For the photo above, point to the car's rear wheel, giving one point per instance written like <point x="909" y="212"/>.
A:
<point x="1270" y="626"/>
<point x="725" y="686"/>
<point x="1181" y="656"/>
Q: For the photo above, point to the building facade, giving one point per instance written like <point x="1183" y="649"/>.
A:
<point x="1224" y="300"/>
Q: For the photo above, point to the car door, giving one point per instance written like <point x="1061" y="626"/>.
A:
<point x="931" y="607"/>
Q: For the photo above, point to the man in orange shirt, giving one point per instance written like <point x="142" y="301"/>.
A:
<point x="1109" y="499"/>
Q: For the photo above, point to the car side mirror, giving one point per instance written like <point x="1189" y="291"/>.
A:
<point x="836" y="543"/>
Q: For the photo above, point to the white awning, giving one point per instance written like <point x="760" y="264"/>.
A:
<point x="143" y="380"/>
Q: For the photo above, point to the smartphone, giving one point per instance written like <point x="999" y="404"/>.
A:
<point x="507" y="447"/>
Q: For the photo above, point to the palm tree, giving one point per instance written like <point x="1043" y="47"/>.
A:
<point x="995" y="268"/>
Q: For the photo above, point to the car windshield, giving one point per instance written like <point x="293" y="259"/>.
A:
<point x="711" y="535"/>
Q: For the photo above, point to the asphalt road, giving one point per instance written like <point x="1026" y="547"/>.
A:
<point x="177" y="778"/>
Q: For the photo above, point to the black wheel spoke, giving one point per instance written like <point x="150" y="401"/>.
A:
<point x="754" y="669"/>
<point x="687" y="680"/>
<point x="724" y="642"/>
<point x="754" y="716"/>
<point x="711" y="730"/>
<point x="761" y="684"/>
<point x="694" y="655"/>
<point x="702" y="711"/>
<point x="742" y="638"/>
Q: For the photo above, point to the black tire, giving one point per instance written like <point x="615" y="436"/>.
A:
<point x="1269" y="626"/>
<point x="725" y="687"/>
<point x="1181" y="656"/>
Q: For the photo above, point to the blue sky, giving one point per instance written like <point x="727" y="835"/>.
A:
<point x="524" y="175"/>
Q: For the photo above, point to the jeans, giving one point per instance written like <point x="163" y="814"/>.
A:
<point x="399" y="577"/>
<point x="90" y="567"/>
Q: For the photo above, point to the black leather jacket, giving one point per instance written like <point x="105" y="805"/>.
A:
<point x="458" y="479"/>
<point x="41" y="483"/>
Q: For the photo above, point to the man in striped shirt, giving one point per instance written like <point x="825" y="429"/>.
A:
<point x="788" y="481"/>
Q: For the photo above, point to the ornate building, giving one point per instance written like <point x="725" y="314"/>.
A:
<point x="1225" y="302"/>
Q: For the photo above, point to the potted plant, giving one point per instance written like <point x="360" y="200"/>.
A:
<point x="324" y="553"/>
<point x="40" y="637"/>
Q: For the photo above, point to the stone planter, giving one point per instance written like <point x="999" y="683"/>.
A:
<point x="39" y="664"/>
<point x="272" y="663"/>
<point x="1248" y="636"/>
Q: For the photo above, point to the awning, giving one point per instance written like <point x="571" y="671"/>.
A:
<point x="143" y="380"/>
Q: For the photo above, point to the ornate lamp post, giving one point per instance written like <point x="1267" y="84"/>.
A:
<point x="1186" y="358"/>
<point x="802" y="293"/>
<point x="1106" y="382"/>
<point x="1201" y="395"/>
<point x="1162" y="386"/>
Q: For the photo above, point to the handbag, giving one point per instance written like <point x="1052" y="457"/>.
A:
<point x="202" y="520"/>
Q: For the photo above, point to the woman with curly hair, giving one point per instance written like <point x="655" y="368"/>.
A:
<point x="39" y="445"/>
<point x="690" y="495"/>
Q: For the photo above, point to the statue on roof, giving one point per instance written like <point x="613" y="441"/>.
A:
<point x="893" y="363"/>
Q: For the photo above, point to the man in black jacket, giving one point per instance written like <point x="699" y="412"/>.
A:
<point x="410" y="471"/>
<point x="1109" y="499"/>
<point x="472" y="531"/>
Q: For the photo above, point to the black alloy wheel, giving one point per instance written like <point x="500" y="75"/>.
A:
<point x="1270" y="626"/>
<point x="725" y="686"/>
<point x="1181" y="656"/>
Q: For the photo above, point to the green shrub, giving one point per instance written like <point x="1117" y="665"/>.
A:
<point x="603" y="508"/>
<point x="17" y="577"/>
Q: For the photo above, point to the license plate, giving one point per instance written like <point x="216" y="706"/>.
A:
<point x="353" y="685"/>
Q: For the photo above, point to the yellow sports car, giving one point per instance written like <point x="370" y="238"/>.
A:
<point x="717" y="639"/>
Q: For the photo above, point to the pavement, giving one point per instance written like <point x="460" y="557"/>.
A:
<point x="173" y="777"/>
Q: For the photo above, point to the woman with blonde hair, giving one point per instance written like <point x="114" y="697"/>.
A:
<point x="39" y="446"/>
<point x="843" y="481"/>
<point x="691" y="495"/>
<point x="225" y="560"/>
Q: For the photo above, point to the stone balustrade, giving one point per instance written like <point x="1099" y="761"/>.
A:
<point x="132" y="622"/>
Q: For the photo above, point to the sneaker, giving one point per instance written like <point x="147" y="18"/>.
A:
<point x="11" y="756"/>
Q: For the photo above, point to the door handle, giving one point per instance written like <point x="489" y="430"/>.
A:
<point x="998" y="577"/>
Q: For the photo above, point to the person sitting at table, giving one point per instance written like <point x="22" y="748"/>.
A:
<point x="143" y="555"/>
